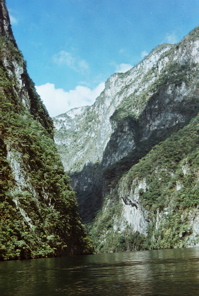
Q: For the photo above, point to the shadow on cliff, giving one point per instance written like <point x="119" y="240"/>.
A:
<point x="131" y="140"/>
<point x="161" y="117"/>
<point x="88" y="187"/>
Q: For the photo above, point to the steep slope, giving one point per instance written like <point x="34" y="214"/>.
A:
<point x="156" y="203"/>
<point x="38" y="209"/>
<point x="136" y="110"/>
<point x="100" y="144"/>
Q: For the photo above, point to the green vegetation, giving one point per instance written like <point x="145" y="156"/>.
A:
<point x="105" y="230"/>
<point x="153" y="102"/>
<point x="38" y="208"/>
<point x="170" y="200"/>
<point x="171" y="174"/>
<point x="173" y="75"/>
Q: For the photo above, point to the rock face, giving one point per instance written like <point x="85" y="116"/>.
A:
<point x="101" y="144"/>
<point x="38" y="209"/>
<point x="5" y="27"/>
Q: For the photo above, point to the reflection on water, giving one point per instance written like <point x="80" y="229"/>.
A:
<point x="162" y="272"/>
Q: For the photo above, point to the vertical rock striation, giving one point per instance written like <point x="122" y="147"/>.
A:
<point x="38" y="208"/>
<point x="5" y="27"/>
<point x="99" y="145"/>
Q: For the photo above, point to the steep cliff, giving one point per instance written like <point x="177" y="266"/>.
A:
<point x="38" y="209"/>
<point x="102" y="145"/>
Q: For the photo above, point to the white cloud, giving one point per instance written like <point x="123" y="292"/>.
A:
<point x="13" y="20"/>
<point x="171" y="38"/>
<point x="121" y="68"/>
<point x="122" y="51"/>
<point x="58" y="101"/>
<point x="144" y="53"/>
<point x="73" y="62"/>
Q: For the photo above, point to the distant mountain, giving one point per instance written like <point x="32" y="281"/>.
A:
<point x="38" y="208"/>
<point x="132" y="155"/>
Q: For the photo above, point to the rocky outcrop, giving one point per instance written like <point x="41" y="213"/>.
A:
<point x="137" y="110"/>
<point x="5" y="27"/>
<point x="38" y="209"/>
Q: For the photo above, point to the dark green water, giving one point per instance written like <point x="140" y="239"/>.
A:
<point x="163" y="272"/>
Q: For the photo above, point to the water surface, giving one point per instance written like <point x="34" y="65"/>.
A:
<point x="162" y="272"/>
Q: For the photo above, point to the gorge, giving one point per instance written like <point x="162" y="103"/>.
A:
<point x="38" y="208"/>
<point x="126" y="166"/>
<point x="133" y="155"/>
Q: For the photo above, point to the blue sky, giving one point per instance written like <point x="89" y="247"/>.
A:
<point x="73" y="46"/>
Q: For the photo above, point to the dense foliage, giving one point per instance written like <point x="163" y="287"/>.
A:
<point x="162" y="173"/>
<point x="170" y="171"/>
<point x="38" y="208"/>
<point x="136" y="141"/>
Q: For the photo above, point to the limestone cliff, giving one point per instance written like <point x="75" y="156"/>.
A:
<point x="38" y="209"/>
<point x="101" y="144"/>
<point x="5" y="26"/>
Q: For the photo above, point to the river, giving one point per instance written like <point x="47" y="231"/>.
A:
<point x="158" y="272"/>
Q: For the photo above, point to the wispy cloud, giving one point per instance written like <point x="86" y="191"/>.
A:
<point x="13" y="20"/>
<point x="122" y="51"/>
<point x="121" y="68"/>
<point x="75" y="63"/>
<point x="171" y="38"/>
<point x="144" y="53"/>
<point x="58" y="101"/>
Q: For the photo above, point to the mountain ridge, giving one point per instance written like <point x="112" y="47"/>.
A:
<point x="38" y="208"/>
<point x="136" y="111"/>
